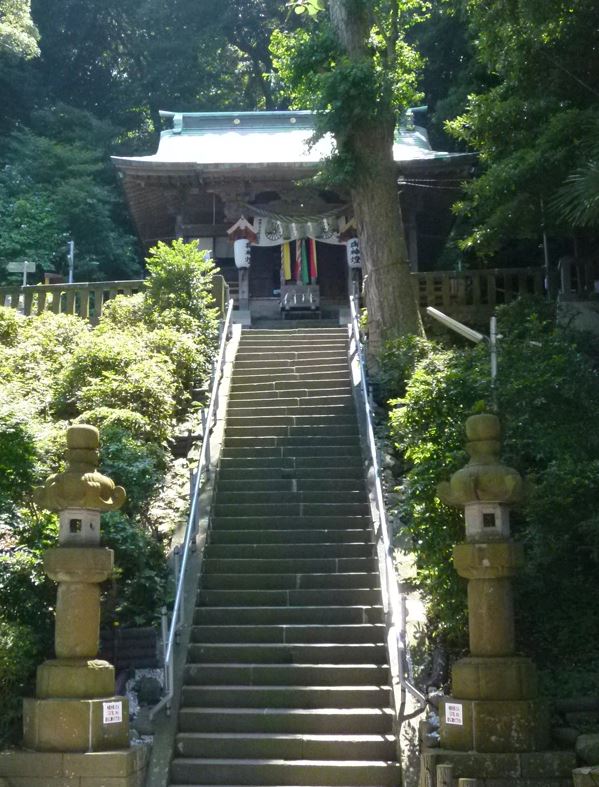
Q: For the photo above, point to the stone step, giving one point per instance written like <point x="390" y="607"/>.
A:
<point x="285" y="696"/>
<point x="325" y="413"/>
<point x="255" y="394"/>
<point x="306" y="653"/>
<point x="337" y="353"/>
<point x="287" y="674"/>
<point x="306" y="404"/>
<point x="295" y="565"/>
<point x="284" y="772"/>
<point x="268" y="466"/>
<point x="297" y="373"/>
<point x="292" y="332"/>
<point x="253" y="552"/>
<point x="316" y="386"/>
<point x="253" y="344"/>
<point x="290" y="509"/>
<point x="240" y="453"/>
<point x="289" y="360"/>
<point x="356" y="579"/>
<point x="290" y="485"/>
<point x="314" y="379"/>
<point x="292" y="536"/>
<point x="332" y="419"/>
<point x="312" y="597"/>
<point x="350" y="721"/>
<point x="278" y="615"/>
<point x="304" y="522"/>
<point x="286" y="746"/>
<point x="355" y="634"/>
<point x="309" y="433"/>
<point x="329" y="497"/>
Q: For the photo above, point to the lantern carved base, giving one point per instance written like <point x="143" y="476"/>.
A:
<point x="494" y="725"/>
<point x="524" y="769"/>
<point x="76" y="725"/>
<point x="53" y="769"/>
<point x="80" y="678"/>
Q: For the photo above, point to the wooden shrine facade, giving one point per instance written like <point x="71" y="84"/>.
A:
<point x="223" y="177"/>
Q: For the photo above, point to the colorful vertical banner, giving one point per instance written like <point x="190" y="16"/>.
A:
<point x="305" y="273"/>
<point x="298" y="261"/>
<point x="313" y="261"/>
<point x="286" y="260"/>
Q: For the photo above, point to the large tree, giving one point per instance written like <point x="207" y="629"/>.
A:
<point x="534" y="122"/>
<point x="351" y="64"/>
<point x="18" y="34"/>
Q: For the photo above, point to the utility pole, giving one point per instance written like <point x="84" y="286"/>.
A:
<point x="71" y="259"/>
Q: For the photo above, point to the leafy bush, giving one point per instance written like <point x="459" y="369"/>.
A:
<point x="19" y="655"/>
<point x="9" y="326"/>
<point x="134" y="463"/>
<point x="110" y="353"/>
<point x="145" y="387"/>
<point x="139" y="584"/>
<point x="17" y="456"/>
<point x="548" y="399"/>
<point x="180" y="278"/>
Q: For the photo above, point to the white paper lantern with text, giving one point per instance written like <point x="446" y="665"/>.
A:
<point x="242" y="251"/>
<point x="354" y="259"/>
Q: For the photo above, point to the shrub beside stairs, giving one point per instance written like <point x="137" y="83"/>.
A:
<point x="286" y="680"/>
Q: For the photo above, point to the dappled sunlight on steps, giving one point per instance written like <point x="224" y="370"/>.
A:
<point x="286" y="680"/>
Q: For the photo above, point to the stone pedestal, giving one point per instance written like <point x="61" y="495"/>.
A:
<point x="493" y="727"/>
<point x="77" y="731"/>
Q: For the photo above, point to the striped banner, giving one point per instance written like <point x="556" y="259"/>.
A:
<point x="286" y="260"/>
<point x="313" y="261"/>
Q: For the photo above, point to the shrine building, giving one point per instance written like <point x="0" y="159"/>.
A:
<point x="242" y="185"/>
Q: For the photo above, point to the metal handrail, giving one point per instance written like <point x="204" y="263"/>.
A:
<point x="394" y="603"/>
<point x="188" y="545"/>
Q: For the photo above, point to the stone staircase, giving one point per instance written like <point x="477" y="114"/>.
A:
<point x="286" y="680"/>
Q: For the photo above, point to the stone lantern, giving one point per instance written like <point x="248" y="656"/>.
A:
<point x="75" y="709"/>
<point x="494" y="707"/>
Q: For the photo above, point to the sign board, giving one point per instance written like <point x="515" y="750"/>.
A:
<point x="454" y="714"/>
<point x="21" y="267"/>
<point x="112" y="712"/>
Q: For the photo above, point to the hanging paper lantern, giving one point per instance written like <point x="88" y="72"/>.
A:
<point x="354" y="260"/>
<point x="243" y="251"/>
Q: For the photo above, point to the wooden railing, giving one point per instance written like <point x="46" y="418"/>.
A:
<point x="85" y="299"/>
<point x="471" y="296"/>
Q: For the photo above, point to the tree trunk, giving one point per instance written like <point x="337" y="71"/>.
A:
<point x="390" y="298"/>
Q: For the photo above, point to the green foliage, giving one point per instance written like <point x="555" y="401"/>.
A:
<point x="533" y="120"/>
<point x="136" y="463"/>
<point x="397" y="363"/>
<point x="351" y="90"/>
<point x="19" y="654"/>
<point x="9" y="326"/>
<point x="18" y="35"/>
<point x="140" y="581"/>
<point x="548" y="398"/>
<point x="180" y="277"/>
<point x="17" y="456"/>
<point x="49" y="188"/>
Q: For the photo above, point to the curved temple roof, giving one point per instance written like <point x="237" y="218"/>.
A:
<point x="222" y="140"/>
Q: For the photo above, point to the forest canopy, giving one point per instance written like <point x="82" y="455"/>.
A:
<point x="516" y="82"/>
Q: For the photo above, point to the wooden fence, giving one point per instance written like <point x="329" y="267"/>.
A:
<point x="471" y="296"/>
<point x="85" y="299"/>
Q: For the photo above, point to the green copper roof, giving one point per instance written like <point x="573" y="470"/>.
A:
<point x="226" y="139"/>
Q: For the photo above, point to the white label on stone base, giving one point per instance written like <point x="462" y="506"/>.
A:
<point x="113" y="712"/>
<point x="454" y="714"/>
